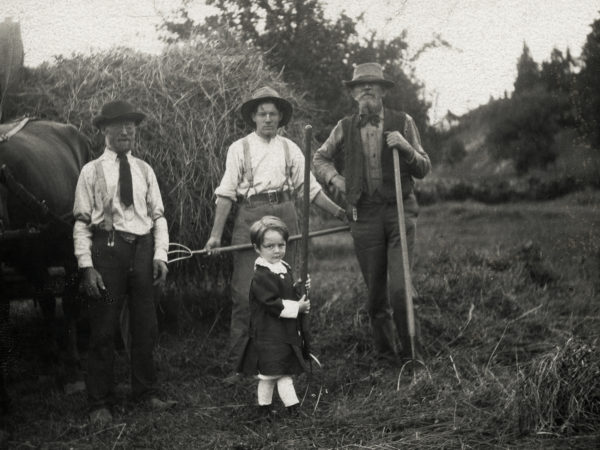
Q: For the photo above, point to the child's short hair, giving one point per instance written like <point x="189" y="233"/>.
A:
<point x="261" y="226"/>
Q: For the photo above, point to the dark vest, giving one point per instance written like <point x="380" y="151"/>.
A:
<point x="354" y="170"/>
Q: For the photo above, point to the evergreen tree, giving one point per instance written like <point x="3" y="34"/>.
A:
<point x="528" y="72"/>
<point x="588" y="85"/>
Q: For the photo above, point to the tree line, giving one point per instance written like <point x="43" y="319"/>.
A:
<point x="314" y="54"/>
<point x="560" y="93"/>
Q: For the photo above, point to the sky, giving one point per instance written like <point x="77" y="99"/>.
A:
<point x="486" y="35"/>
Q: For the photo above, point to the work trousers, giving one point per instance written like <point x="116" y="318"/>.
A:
<point x="243" y="267"/>
<point x="126" y="269"/>
<point x="376" y="236"/>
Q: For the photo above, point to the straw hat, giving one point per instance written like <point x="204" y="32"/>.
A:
<point x="263" y="95"/>
<point x="368" y="73"/>
<point x="115" y="111"/>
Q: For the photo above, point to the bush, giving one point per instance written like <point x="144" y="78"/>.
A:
<point x="525" y="127"/>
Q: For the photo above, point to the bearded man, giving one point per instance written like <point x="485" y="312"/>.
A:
<point x="367" y="139"/>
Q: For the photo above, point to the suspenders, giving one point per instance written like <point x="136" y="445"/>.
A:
<point x="247" y="166"/>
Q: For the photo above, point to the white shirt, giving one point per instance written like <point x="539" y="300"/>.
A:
<point x="144" y="216"/>
<point x="268" y="168"/>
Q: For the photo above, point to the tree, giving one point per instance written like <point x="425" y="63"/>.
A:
<point x="588" y="85"/>
<point x="313" y="53"/>
<point x="528" y="72"/>
<point x="558" y="75"/>
<point x="524" y="128"/>
<point x="558" y="78"/>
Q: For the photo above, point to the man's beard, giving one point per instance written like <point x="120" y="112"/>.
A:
<point x="369" y="105"/>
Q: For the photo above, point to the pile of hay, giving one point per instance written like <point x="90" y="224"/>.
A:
<point x="560" y="392"/>
<point x="191" y="94"/>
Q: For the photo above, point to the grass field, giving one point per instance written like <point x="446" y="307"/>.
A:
<point x="509" y="310"/>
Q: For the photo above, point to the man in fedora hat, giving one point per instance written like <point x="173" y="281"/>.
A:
<point x="262" y="172"/>
<point x="121" y="241"/>
<point x="367" y="139"/>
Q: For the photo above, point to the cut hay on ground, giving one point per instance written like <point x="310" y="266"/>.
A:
<point x="560" y="392"/>
<point x="191" y="94"/>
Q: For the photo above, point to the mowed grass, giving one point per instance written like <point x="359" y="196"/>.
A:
<point x="509" y="317"/>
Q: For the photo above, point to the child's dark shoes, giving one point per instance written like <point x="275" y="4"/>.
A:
<point x="293" y="411"/>
<point x="265" y="412"/>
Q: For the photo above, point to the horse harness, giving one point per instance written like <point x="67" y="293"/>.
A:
<point x="29" y="200"/>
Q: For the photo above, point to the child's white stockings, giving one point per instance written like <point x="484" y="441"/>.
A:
<point x="285" y="388"/>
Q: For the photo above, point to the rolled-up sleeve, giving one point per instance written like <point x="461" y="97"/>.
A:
<point x="82" y="211"/>
<point x="323" y="161"/>
<point x="160" y="228"/>
<point x="232" y="176"/>
<point x="421" y="164"/>
<point x="297" y="174"/>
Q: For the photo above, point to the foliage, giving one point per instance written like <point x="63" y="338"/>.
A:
<point x="525" y="127"/>
<point x="313" y="53"/>
<point x="558" y="74"/>
<point x="588" y="85"/>
<point x="528" y="72"/>
<point x="455" y="152"/>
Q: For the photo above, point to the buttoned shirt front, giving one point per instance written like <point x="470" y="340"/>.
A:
<point x="371" y="137"/>
<point x="268" y="168"/>
<point x="144" y="216"/>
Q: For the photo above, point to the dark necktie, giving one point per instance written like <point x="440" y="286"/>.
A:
<point x="125" y="183"/>
<point x="365" y="119"/>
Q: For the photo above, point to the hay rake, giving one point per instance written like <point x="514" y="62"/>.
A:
<point x="180" y="252"/>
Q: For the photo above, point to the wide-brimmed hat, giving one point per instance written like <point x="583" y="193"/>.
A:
<point x="263" y="95"/>
<point x="117" y="110"/>
<point x="368" y="73"/>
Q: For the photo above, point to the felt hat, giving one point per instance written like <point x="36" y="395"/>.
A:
<point x="368" y="73"/>
<point x="117" y="110"/>
<point x="263" y="95"/>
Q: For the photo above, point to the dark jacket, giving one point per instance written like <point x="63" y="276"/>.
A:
<point x="354" y="159"/>
<point x="274" y="344"/>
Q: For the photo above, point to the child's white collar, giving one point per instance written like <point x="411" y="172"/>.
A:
<point x="278" y="267"/>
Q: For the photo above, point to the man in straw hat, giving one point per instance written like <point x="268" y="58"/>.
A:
<point x="121" y="241"/>
<point x="262" y="172"/>
<point x="367" y="139"/>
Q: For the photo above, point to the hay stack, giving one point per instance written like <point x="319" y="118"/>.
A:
<point x="560" y="392"/>
<point x="191" y="94"/>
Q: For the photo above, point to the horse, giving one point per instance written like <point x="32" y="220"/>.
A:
<point x="40" y="162"/>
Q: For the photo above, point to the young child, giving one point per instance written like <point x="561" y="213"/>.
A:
<point x="274" y="350"/>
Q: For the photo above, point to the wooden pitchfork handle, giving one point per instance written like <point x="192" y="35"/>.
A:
<point x="410" y="313"/>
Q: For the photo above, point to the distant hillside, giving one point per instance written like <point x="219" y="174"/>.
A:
<point x="464" y="166"/>
<point x="575" y="157"/>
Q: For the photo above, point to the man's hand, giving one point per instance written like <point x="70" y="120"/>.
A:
<point x="92" y="283"/>
<point x="339" y="184"/>
<point x="212" y="242"/>
<point x="303" y="305"/>
<point x="395" y="139"/>
<point x="159" y="272"/>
